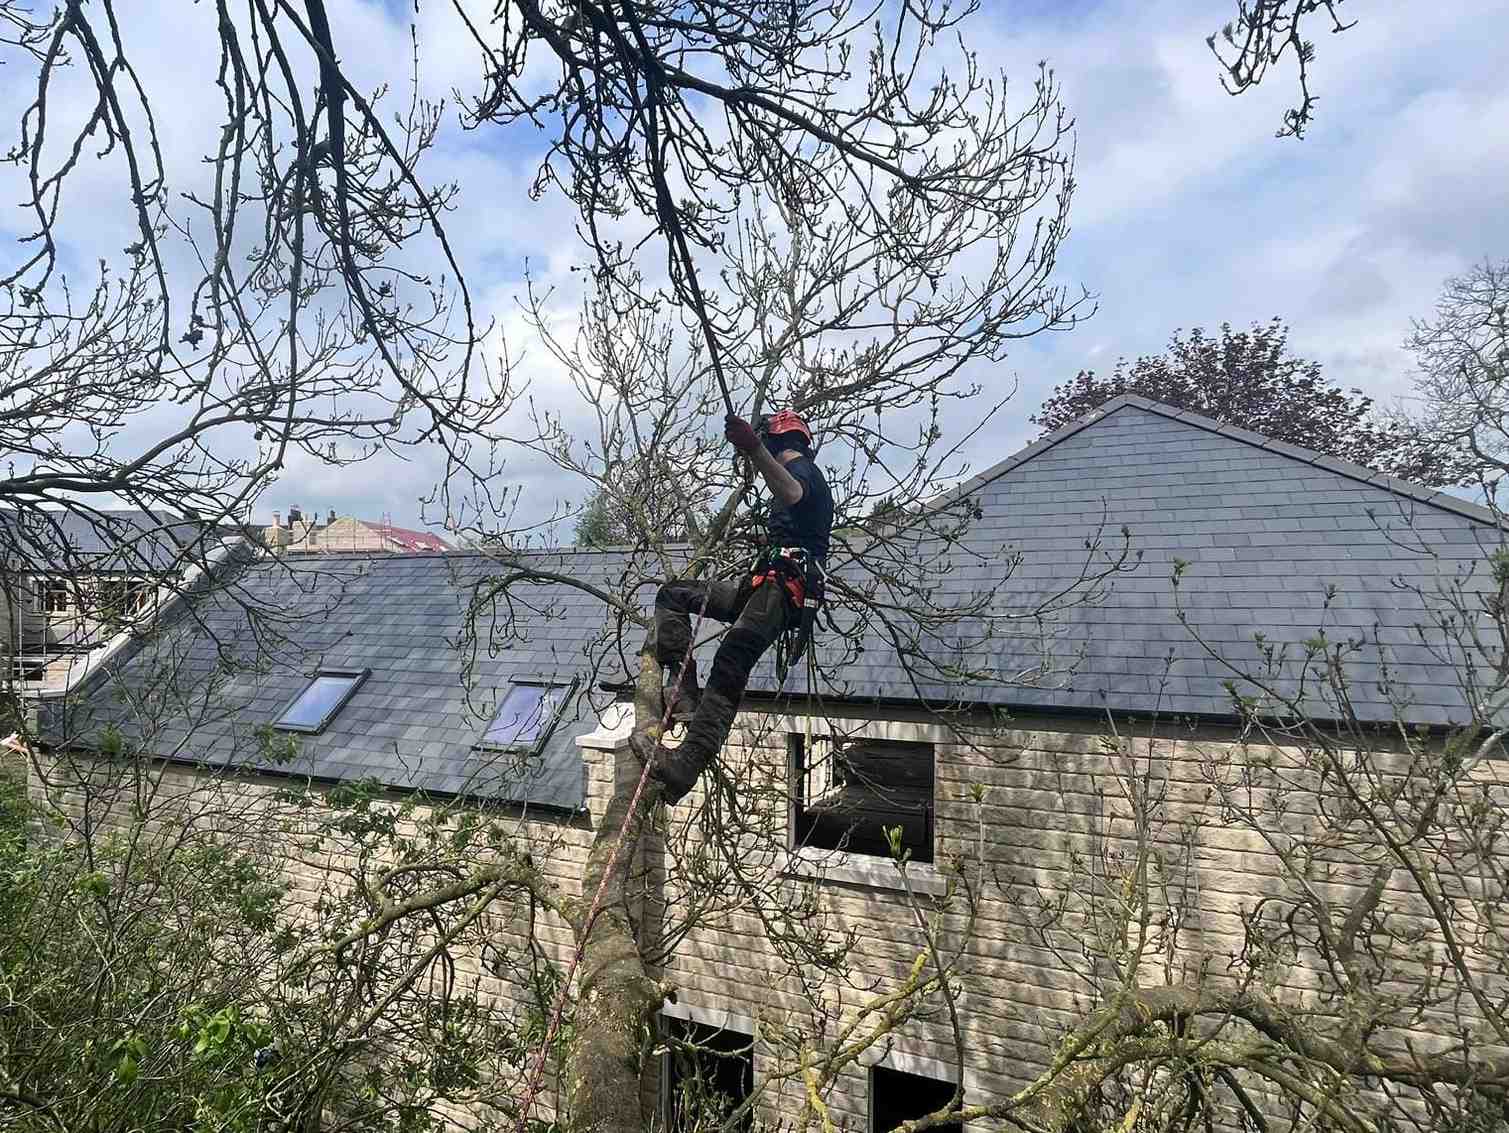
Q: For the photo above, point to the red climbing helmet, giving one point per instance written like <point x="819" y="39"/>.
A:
<point x="786" y="421"/>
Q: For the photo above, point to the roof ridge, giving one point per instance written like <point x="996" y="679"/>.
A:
<point x="460" y="553"/>
<point x="1033" y="449"/>
<point x="1347" y="468"/>
<point x="1317" y="459"/>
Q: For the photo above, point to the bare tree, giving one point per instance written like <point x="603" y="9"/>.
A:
<point x="844" y="229"/>
<point x="1463" y="359"/>
<point x="876" y="170"/>
<point x="872" y="332"/>
<point x="268" y="308"/>
<point x="824" y="102"/>
<point x="284" y="301"/>
<point x="1261" y="35"/>
<point x="611" y="516"/>
<point x="882" y="232"/>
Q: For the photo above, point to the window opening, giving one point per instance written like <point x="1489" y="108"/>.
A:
<point x="57" y="596"/>
<point x="29" y="668"/>
<point x="897" y="1097"/>
<point x="124" y="597"/>
<point x="320" y="700"/>
<point x="706" y="1073"/>
<point x="849" y="791"/>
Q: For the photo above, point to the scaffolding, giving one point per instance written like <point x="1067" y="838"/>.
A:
<point x="55" y="620"/>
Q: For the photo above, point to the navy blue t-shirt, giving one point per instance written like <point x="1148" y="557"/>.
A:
<point x="809" y="521"/>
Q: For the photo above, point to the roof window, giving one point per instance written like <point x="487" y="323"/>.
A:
<point x="525" y="715"/>
<point x="321" y="699"/>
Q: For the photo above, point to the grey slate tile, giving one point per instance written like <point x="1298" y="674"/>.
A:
<point x="1264" y="529"/>
<point x="411" y="721"/>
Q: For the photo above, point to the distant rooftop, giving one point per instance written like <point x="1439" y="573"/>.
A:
<point x="103" y="540"/>
<point x="344" y="534"/>
<point x="412" y="540"/>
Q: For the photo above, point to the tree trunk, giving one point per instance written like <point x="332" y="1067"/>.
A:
<point x="616" y="1000"/>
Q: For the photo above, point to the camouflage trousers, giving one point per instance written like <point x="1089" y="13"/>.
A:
<point x="759" y="614"/>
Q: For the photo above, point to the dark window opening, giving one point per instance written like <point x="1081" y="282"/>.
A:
<point x="707" y="1073"/>
<point x="29" y="668"/>
<point x="850" y="791"/>
<point x="57" y="596"/>
<point x="525" y="716"/>
<point x="321" y="699"/>
<point x="897" y="1097"/>
<point x="124" y="597"/>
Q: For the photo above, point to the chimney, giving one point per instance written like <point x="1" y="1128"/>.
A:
<point x="294" y="515"/>
<point x="332" y="517"/>
<point x="277" y="519"/>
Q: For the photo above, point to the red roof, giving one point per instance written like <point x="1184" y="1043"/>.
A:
<point x="409" y="540"/>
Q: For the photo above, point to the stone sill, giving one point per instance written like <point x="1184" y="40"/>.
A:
<point x="837" y="867"/>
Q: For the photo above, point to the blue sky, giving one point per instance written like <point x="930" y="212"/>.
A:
<point x="1189" y="212"/>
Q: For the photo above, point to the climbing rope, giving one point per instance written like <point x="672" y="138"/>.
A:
<point x="558" y="1009"/>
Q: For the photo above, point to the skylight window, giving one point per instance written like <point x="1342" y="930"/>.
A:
<point x="321" y="699"/>
<point x="525" y="715"/>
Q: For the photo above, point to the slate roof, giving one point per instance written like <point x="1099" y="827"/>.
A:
<point x="109" y="540"/>
<point x="230" y="663"/>
<point x="1265" y="527"/>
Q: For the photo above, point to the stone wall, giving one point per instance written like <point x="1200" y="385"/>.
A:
<point x="1052" y="828"/>
<point x="1038" y="814"/>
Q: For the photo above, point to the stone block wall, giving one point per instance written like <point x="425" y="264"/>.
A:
<point x="1038" y="814"/>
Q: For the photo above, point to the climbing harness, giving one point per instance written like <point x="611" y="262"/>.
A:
<point x="802" y="577"/>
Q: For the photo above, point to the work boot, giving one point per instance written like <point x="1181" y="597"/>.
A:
<point x="676" y="773"/>
<point x="683" y="701"/>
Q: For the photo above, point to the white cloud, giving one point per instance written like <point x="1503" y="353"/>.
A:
<point x="1189" y="212"/>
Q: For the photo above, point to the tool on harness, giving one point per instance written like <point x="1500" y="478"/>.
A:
<point x="795" y="570"/>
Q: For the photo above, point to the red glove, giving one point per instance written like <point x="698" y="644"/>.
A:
<point x="738" y="433"/>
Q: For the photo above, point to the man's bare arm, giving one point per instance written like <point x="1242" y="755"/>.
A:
<point x="787" y="488"/>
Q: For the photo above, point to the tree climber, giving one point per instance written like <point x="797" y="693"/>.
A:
<point x="761" y="605"/>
